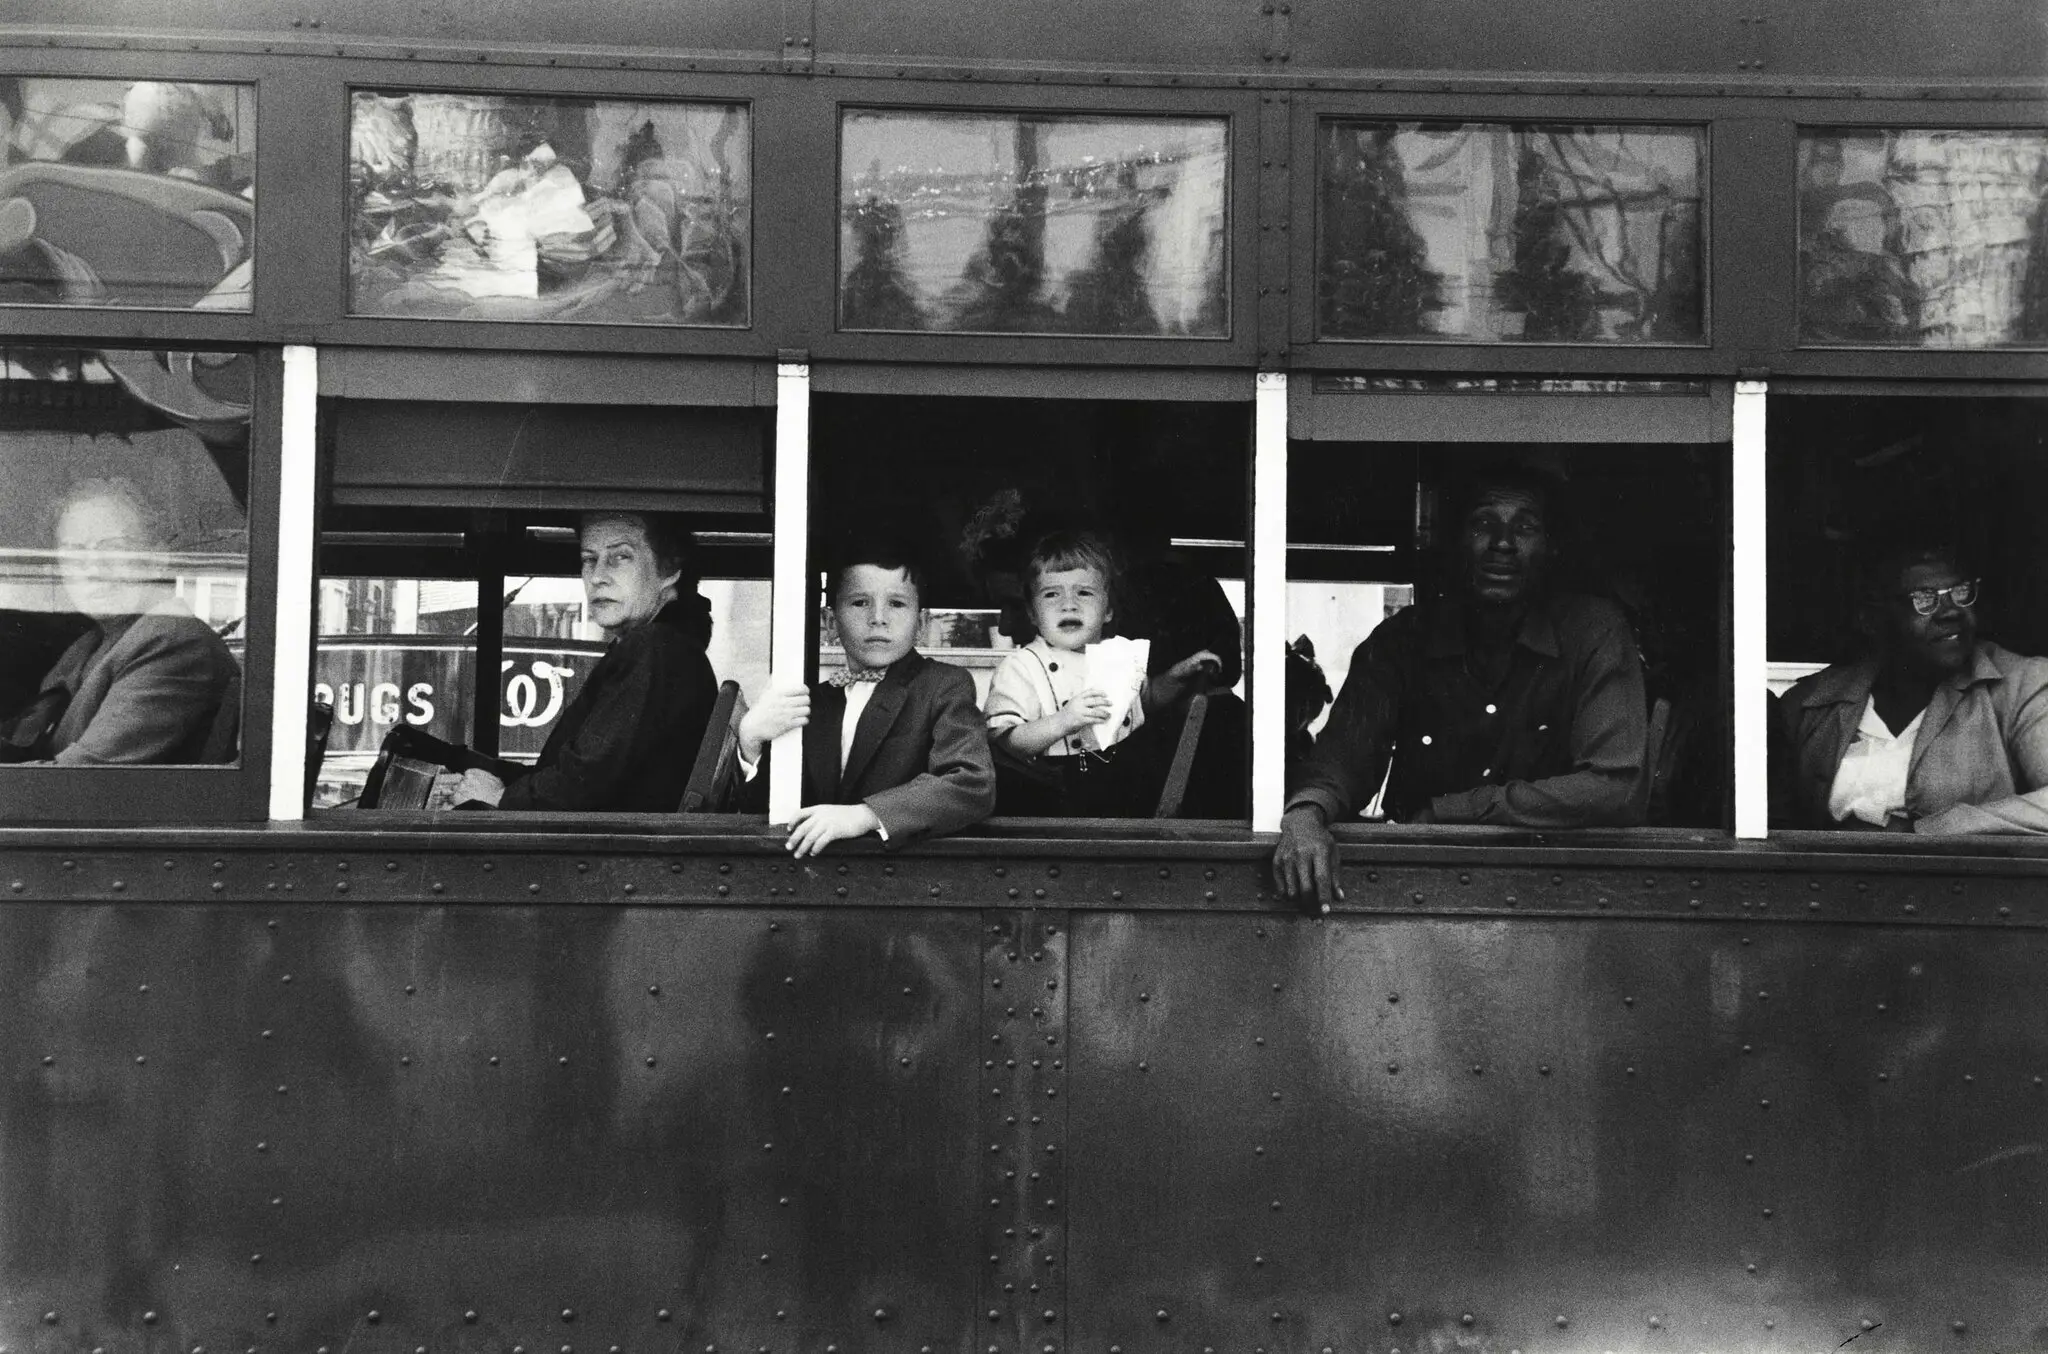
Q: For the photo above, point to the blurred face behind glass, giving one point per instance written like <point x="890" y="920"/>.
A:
<point x="623" y="583"/>
<point x="1941" y="642"/>
<point x="877" y="613"/>
<point x="1070" y="607"/>
<point x="108" y="558"/>
<point x="1506" y="546"/>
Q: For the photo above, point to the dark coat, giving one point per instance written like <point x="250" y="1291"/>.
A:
<point x="157" y="688"/>
<point x="919" y="759"/>
<point x="628" y="740"/>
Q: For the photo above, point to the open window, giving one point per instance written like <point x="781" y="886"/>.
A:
<point x="1619" y="591"/>
<point x="1138" y="498"/>
<point x="1908" y="597"/>
<point x="451" y="599"/>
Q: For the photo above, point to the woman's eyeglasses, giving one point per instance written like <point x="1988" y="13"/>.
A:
<point x="1927" y="601"/>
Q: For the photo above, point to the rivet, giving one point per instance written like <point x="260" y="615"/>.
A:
<point x="654" y="989"/>
<point x="1562" y="1323"/>
<point x="1958" y="1326"/>
<point x="533" y="888"/>
<point x="374" y="1317"/>
<point x="49" y="1318"/>
<point x="141" y="1059"/>
<point x="1768" y="1213"/>
<point x="1465" y="1320"/>
<point x="1543" y="1070"/>
<point x="1159" y="1315"/>
<point x="1393" y="1318"/>
<point x="1477" y="1070"/>
<point x="149" y="1318"/>
<point x="1393" y="1069"/>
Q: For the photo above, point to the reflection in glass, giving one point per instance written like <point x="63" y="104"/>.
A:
<point x="123" y="555"/>
<point x="119" y="193"/>
<point x="967" y="222"/>
<point x="501" y="207"/>
<point x="1936" y="239"/>
<point x="1510" y="233"/>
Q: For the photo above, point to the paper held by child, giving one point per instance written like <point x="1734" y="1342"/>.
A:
<point x="1116" y="668"/>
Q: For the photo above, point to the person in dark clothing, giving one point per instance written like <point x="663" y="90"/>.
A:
<point x="1502" y="702"/>
<point x="626" y="743"/>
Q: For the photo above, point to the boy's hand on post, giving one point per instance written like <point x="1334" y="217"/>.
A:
<point x="1085" y="710"/>
<point x="817" y="826"/>
<point x="781" y="709"/>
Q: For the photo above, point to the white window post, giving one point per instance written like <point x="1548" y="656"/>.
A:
<point x="791" y="591"/>
<point x="1266" y="664"/>
<point x="1751" y="674"/>
<point x="292" y="616"/>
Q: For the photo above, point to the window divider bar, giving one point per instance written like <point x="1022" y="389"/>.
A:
<point x="1266" y="664"/>
<point x="1748" y="520"/>
<point x="294" y="604"/>
<point x="791" y="590"/>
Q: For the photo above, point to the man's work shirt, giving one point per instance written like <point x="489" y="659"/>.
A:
<point x="1558" y="742"/>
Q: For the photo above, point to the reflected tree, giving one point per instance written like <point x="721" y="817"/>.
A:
<point x="1002" y="288"/>
<point x="1557" y="301"/>
<point x="877" y="293"/>
<point x="1109" y="296"/>
<point x="1376" y="279"/>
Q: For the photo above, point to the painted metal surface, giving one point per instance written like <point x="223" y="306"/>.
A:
<point x="387" y="1129"/>
<point x="1874" y="38"/>
<point x="1012" y="1096"/>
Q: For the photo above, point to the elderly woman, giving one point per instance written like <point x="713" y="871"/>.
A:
<point x="149" y="682"/>
<point x="626" y="743"/>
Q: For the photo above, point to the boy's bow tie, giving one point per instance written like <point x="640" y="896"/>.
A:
<point x="846" y="677"/>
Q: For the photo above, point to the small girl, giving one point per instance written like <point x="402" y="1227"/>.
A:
<point x="1044" y="707"/>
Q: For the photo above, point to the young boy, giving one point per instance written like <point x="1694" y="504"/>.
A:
<point x="893" y="744"/>
<point x="1043" y="708"/>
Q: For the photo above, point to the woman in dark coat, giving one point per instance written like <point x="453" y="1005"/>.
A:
<point x="626" y="743"/>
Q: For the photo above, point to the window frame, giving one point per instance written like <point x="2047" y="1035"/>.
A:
<point x="208" y="794"/>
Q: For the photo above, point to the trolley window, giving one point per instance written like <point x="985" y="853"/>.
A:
<point x="998" y="223"/>
<point x="1923" y="238"/>
<point x="457" y="599"/>
<point x="1066" y="547"/>
<point x="119" y="193"/>
<point x="516" y="207"/>
<point x="1528" y="233"/>
<point x="1909" y="601"/>
<point x="1598" y="538"/>
<point x="124" y="536"/>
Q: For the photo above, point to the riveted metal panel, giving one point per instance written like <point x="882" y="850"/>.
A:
<point x="1371" y="1134"/>
<point x="484" y="1129"/>
<point x="1021" y="1302"/>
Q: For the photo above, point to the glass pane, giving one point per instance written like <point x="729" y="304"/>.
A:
<point x="119" y="193"/>
<point x="123" y="555"/>
<point x="967" y="222"/>
<point x="1528" y="234"/>
<point x="1934" y="239"/>
<point x="504" y="207"/>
